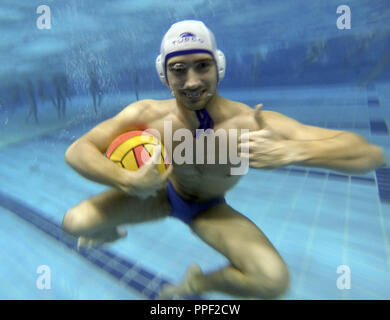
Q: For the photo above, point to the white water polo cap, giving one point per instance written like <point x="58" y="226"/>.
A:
<point x="187" y="37"/>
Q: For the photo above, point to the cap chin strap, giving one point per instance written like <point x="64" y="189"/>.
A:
<point x="206" y="122"/>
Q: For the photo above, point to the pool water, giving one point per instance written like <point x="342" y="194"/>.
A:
<point x="332" y="229"/>
<point x="317" y="219"/>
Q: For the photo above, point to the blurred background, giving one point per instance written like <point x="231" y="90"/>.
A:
<point x="96" y="57"/>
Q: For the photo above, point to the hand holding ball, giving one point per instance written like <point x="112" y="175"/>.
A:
<point x="131" y="151"/>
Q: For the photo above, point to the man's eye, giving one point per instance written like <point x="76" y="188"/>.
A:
<point x="177" y="68"/>
<point x="203" y="65"/>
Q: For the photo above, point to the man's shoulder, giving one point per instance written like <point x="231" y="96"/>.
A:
<point x="149" y="108"/>
<point x="238" y="114"/>
<point x="151" y="104"/>
<point x="245" y="114"/>
<point x="236" y="108"/>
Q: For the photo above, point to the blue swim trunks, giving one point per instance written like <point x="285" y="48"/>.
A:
<point x="186" y="210"/>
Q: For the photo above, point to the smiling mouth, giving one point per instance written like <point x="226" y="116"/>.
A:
<point x="194" y="95"/>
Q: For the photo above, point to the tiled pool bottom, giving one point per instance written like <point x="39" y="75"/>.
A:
<point x="145" y="285"/>
<point x="317" y="220"/>
<point x="37" y="268"/>
<point x="315" y="232"/>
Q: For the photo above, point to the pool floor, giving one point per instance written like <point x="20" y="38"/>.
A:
<point x="326" y="225"/>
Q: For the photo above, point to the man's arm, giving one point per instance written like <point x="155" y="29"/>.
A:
<point x="85" y="155"/>
<point x="304" y="145"/>
<point x="346" y="152"/>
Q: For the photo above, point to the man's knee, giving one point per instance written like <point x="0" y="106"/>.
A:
<point x="76" y="221"/>
<point x="270" y="277"/>
<point x="277" y="282"/>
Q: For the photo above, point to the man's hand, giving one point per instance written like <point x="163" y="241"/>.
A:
<point x="267" y="148"/>
<point x="146" y="181"/>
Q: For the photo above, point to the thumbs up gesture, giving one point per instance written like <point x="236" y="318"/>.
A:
<point x="268" y="149"/>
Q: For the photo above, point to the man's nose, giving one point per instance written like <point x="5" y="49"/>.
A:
<point x="192" y="81"/>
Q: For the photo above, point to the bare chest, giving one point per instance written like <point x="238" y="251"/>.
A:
<point x="203" y="182"/>
<point x="205" y="165"/>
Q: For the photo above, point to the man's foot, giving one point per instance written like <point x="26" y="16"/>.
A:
<point x="185" y="288"/>
<point x="101" y="237"/>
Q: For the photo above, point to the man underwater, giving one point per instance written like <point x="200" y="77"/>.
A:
<point x="191" y="66"/>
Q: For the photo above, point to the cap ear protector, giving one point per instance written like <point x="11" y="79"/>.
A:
<point x="219" y="59"/>
<point x="160" y="70"/>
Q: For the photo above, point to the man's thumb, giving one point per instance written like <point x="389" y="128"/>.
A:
<point x="258" y="116"/>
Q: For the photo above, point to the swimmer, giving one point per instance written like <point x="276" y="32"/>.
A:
<point x="191" y="66"/>
<point x="135" y="83"/>
<point x="94" y="86"/>
<point x="62" y="93"/>
<point x="33" y="110"/>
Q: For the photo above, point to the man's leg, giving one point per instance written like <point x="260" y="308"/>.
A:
<point x="256" y="269"/>
<point x="96" y="219"/>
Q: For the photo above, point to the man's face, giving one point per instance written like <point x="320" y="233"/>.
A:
<point x="193" y="79"/>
